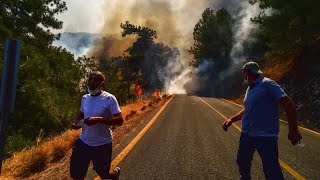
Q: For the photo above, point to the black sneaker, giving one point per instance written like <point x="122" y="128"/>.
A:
<point x="117" y="173"/>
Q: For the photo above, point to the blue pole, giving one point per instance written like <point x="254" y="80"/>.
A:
<point x="9" y="80"/>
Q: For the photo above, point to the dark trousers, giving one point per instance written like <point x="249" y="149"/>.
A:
<point x="267" y="148"/>
<point x="82" y="154"/>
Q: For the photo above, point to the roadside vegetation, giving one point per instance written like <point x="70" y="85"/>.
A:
<point x="47" y="158"/>
<point x="51" y="81"/>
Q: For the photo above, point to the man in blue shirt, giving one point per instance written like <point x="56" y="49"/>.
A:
<point x="260" y="123"/>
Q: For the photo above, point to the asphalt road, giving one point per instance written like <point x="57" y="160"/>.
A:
<point x="186" y="141"/>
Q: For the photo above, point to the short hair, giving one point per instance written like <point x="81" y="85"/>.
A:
<point x="99" y="74"/>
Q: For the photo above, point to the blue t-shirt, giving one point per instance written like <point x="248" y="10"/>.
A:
<point x="261" y="113"/>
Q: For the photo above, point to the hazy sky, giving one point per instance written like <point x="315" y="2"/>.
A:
<point x="83" y="16"/>
<point x="91" y="15"/>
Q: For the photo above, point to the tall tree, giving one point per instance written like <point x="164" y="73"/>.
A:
<point x="30" y="20"/>
<point x="289" y="25"/>
<point x="213" y="38"/>
<point x="147" y="59"/>
<point x="47" y="92"/>
<point x="141" y="45"/>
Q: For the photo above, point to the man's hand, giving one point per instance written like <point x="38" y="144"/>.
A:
<point x="226" y="124"/>
<point x="292" y="117"/>
<point x="294" y="137"/>
<point x="76" y="121"/>
<point x="92" y="120"/>
<point x="233" y="119"/>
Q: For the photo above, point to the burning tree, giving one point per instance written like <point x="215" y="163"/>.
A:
<point x="142" y="44"/>
<point x="147" y="59"/>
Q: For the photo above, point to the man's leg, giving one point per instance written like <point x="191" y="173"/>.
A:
<point x="102" y="160"/>
<point x="245" y="155"/>
<point x="79" y="160"/>
<point x="267" y="148"/>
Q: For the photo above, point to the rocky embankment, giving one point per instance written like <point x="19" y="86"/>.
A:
<point x="303" y="86"/>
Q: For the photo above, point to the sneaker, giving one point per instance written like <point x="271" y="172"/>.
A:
<point x="117" y="173"/>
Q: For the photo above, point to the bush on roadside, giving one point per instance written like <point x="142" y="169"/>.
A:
<point x="37" y="158"/>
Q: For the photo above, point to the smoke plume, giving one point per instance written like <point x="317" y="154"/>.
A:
<point x="242" y="32"/>
<point x="174" y="22"/>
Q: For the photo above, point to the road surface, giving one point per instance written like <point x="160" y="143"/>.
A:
<point x="186" y="141"/>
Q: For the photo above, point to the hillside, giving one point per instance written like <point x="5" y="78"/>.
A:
<point x="301" y="81"/>
<point x="76" y="42"/>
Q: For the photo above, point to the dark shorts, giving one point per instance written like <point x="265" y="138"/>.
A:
<point x="82" y="154"/>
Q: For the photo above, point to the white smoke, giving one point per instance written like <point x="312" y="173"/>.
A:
<point x="177" y="83"/>
<point x="242" y="32"/>
<point x="174" y="22"/>
<point x="205" y="67"/>
<point x="187" y="80"/>
<point x="177" y="74"/>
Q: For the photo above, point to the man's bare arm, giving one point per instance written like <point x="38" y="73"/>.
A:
<point x="117" y="119"/>
<point x="292" y="117"/>
<point x="238" y="116"/>
<point x="233" y="119"/>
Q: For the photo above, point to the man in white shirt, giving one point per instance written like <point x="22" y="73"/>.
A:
<point x="98" y="112"/>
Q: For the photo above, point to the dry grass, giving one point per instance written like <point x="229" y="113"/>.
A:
<point x="50" y="160"/>
<point x="143" y="108"/>
<point x="36" y="159"/>
<point x="276" y="70"/>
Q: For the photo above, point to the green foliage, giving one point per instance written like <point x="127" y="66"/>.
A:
<point x="289" y="25"/>
<point x="28" y="20"/>
<point x="47" y="94"/>
<point x="141" y="45"/>
<point x="115" y="71"/>
<point x="216" y="46"/>
<point x="144" y="33"/>
<point x="145" y="38"/>
<point x="48" y="87"/>
<point x="16" y="142"/>
<point x="213" y="38"/>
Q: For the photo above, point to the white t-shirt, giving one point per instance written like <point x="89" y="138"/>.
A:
<point x="104" y="105"/>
